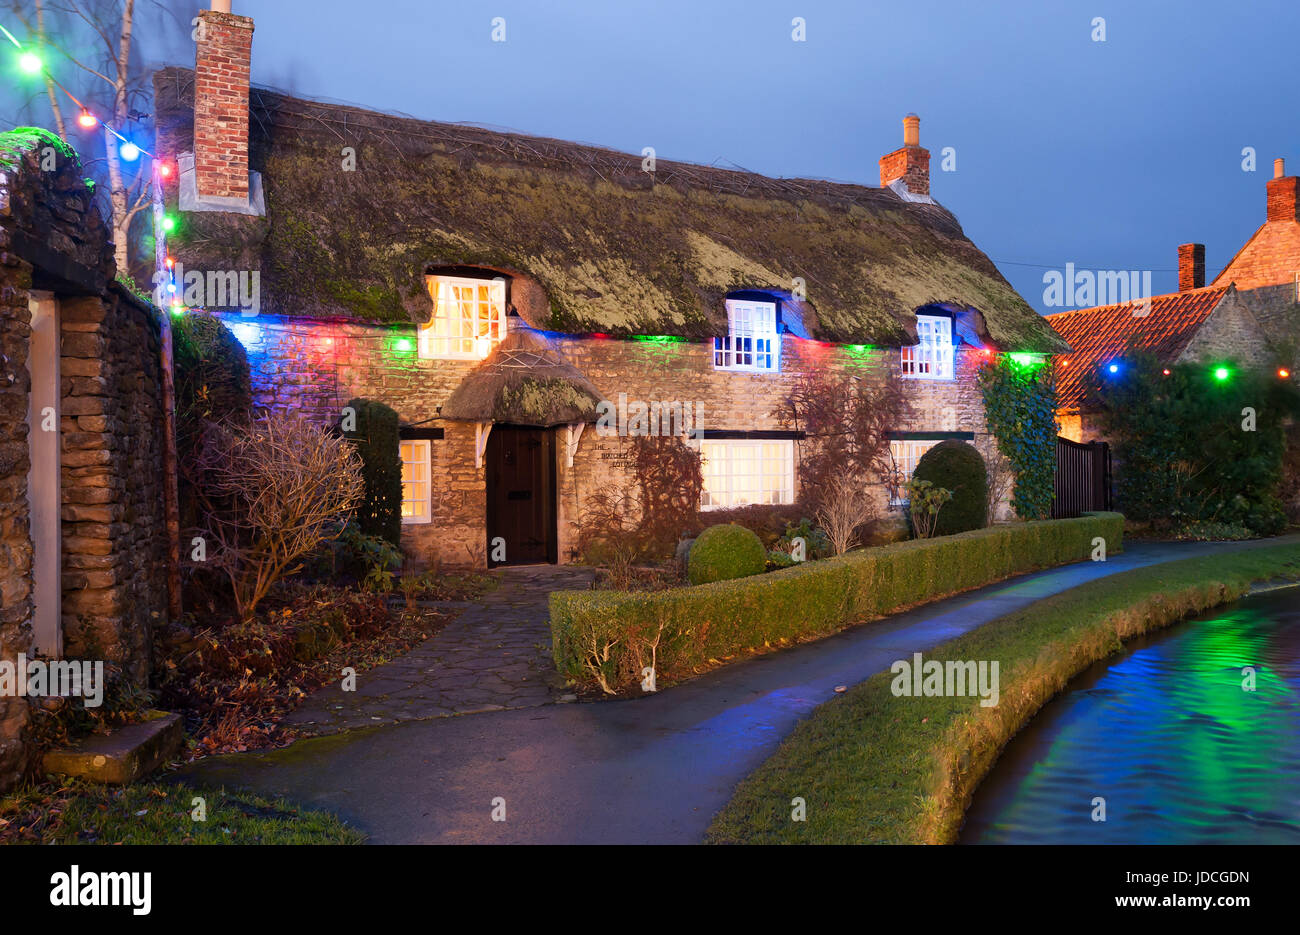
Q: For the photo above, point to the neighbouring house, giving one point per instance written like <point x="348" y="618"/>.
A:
<point x="495" y="289"/>
<point x="1248" y="314"/>
<point x="84" y="544"/>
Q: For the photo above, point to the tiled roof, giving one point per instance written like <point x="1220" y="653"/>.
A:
<point x="1270" y="257"/>
<point x="1101" y="334"/>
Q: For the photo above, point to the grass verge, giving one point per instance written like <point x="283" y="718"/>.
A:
<point x="147" y="812"/>
<point x="874" y="768"/>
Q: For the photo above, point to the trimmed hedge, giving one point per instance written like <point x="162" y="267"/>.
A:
<point x="376" y="439"/>
<point x="959" y="467"/>
<point x="606" y="638"/>
<point x="725" y="552"/>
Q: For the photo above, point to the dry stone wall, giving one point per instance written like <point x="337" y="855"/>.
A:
<point x="112" y="527"/>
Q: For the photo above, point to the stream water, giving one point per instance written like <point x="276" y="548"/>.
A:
<point x="1168" y="737"/>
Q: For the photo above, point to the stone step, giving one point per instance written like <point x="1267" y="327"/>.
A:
<point x="123" y="756"/>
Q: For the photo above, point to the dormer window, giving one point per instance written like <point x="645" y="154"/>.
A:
<point x="931" y="359"/>
<point x="752" y="343"/>
<point x="469" y="318"/>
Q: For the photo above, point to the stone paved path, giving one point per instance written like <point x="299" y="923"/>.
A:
<point x="495" y="655"/>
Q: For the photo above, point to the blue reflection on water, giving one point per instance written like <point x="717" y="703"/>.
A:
<point x="1169" y="738"/>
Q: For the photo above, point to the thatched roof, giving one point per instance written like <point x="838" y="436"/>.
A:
<point x="526" y="382"/>
<point x="614" y="249"/>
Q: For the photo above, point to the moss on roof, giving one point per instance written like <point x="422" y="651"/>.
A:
<point x="524" y="381"/>
<point x="616" y="250"/>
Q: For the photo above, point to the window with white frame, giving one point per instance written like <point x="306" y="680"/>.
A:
<point x="751" y="343"/>
<point x="469" y="318"/>
<point x="740" y="472"/>
<point x="903" y="455"/>
<point x="415" y="480"/>
<point x="931" y="359"/>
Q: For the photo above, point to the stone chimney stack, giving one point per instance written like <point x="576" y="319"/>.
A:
<point x="909" y="165"/>
<point x="221" y="76"/>
<point x="1191" y="266"/>
<point x="1283" y="204"/>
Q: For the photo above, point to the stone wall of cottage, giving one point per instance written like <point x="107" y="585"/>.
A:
<point x="1231" y="332"/>
<point x="112" y="526"/>
<point x="317" y="366"/>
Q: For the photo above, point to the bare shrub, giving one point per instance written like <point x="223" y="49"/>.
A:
<point x="670" y="478"/>
<point x="644" y="520"/>
<point x="847" y="418"/>
<point x="607" y="532"/>
<point x="281" y="486"/>
<point x="1001" y="477"/>
<point x="843" y="508"/>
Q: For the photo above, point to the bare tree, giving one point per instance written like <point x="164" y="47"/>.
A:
<point x="282" y="486"/>
<point x="1001" y="477"/>
<point x="842" y="510"/>
<point x="847" y="417"/>
<point x="98" y="39"/>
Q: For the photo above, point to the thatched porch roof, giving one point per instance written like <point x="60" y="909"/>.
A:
<point x="524" y="381"/>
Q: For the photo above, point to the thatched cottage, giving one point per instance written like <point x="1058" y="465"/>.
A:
<point x="495" y="289"/>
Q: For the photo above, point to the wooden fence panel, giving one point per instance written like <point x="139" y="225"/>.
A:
<point x="1082" y="482"/>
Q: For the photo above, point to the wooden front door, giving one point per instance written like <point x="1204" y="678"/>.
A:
<point x="521" y="495"/>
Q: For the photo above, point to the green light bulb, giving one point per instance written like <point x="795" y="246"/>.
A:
<point x="30" y="62"/>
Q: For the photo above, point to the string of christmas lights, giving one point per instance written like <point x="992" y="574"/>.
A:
<point x="31" y="63"/>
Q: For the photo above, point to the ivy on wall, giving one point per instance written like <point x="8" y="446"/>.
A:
<point x="1020" y="408"/>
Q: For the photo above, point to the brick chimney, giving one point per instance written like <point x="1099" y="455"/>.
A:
<point x="1283" y="204"/>
<point x="221" y="75"/>
<point x="1191" y="266"/>
<point x="911" y="164"/>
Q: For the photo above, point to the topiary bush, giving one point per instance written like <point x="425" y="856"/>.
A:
<point x="957" y="466"/>
<point x="724" y="552"/>
<point x="372" y="428"/>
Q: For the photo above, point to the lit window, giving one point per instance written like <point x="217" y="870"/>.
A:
<point x="743" y="472"/>
<point x="751" y="342"/>
<point x="931" y="359"/>
<point x="468" y="318"/>
<point x="415" y="481"/>
<point x="903" y="455"/>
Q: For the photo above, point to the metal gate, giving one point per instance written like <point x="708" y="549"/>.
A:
<point x="1082" y="481"/>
